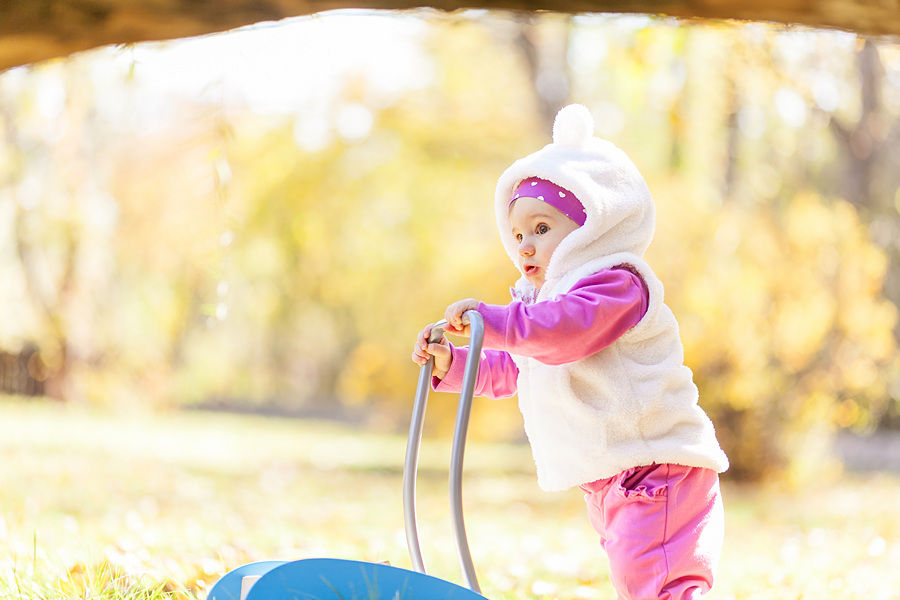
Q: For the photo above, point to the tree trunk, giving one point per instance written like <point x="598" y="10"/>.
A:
<point x="35" y="30"/>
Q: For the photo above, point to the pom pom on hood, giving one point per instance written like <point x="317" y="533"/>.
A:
<point x="573" y="126"/>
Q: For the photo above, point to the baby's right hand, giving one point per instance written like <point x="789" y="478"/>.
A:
<point x="422" y="351"/>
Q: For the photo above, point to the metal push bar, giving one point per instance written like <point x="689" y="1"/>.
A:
<point x="410" y="467"/>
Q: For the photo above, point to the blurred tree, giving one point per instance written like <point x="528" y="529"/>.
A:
<point x="194" y="250"/>
<point x="869" y="157"/>
<point x="544" y="43"/>
<point x="46" y="229"/>
<point x="106" y="305"/>
<point x="344" y="249"/>
<point x="779" y="288"/>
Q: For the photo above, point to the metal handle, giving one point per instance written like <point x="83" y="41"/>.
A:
<point x="476" y="338"/>
<point x="414" y="441"/>
<point x="411" y="463"/>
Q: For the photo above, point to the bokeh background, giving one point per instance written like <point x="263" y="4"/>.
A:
<point x="262" y="220"/>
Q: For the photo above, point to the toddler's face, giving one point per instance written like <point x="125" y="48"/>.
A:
<point x="538" y="228"/>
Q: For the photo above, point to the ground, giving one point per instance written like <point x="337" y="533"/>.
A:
<point x="162" y="506"/>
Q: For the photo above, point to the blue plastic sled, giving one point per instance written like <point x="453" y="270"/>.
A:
<point x="335" y="579"/>
<point x="229" y="586"/>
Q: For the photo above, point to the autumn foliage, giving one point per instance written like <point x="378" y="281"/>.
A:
<point x="169" y="251"/>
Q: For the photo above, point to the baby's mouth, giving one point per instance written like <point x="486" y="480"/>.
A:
<point x="530" y="269"/>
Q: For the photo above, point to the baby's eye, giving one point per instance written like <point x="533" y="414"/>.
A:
<point x="542" y="228"/>
<point x="518" y="237"/>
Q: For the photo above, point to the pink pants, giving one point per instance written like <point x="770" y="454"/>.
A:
<point x="662" y="527"/>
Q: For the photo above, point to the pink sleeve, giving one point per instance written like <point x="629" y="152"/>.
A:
<point x="497" y="374"/>
<point x="590" y="317"/>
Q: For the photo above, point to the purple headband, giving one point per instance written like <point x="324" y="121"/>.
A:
<point x="558" y="197"/>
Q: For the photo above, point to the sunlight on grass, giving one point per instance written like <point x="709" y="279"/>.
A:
<point x="96" y="506"/>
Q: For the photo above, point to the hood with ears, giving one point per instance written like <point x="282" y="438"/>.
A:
<point x="621" y="217"/>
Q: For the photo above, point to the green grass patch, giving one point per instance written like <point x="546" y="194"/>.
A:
<point x="101" y="506"/>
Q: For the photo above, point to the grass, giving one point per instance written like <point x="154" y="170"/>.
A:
<point x="150" y="508"/>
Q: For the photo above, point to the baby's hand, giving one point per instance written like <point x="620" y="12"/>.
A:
<point x="422" y="351"/>
<point x="454" y="315"/>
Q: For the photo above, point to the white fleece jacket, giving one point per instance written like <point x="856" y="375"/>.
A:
<point x="635" y="402"/>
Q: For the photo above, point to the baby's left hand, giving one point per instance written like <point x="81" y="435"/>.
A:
<point x="454" y="316"/>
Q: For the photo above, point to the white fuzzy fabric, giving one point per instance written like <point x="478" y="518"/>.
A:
<point x="620" y="212"/>
<point x="633" y="403"/>
<point x="573" y="126"/>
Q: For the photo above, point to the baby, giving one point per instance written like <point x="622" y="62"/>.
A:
<point x="597" y="361"/>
